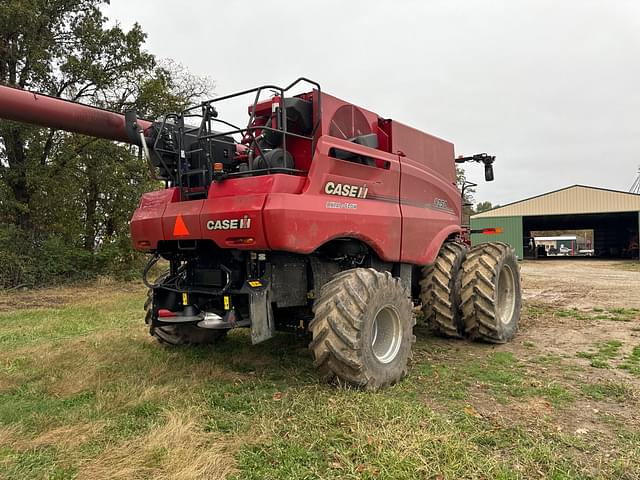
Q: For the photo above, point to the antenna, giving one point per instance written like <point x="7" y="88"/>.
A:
<point x="635" y="188"/>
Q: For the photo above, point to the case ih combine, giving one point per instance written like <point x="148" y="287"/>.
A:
<point x="315" y="216"/>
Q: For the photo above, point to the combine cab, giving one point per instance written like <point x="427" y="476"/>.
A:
<point x="316" y="216"/>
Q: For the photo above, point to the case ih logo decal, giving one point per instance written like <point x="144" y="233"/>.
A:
<point x="345" y="190"/>
<point x="229" y="223"/>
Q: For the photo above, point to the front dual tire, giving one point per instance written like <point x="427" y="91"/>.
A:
<point x="473" y="293"/>
<point x="440" y="291"/>
<point x="490" y="293"/>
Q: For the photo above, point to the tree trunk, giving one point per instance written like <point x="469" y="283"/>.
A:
<point x="93" y="192"/>
<point x="16" y="176"/>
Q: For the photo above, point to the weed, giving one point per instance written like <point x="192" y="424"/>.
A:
<point x="548" y="359"/>
<point x="596" y="313"/>
<point x="604" y="351"/>
<point x="607" y="390"/>
<point x="631" y="362"/>
<point x="623" y="314"/>
<point x="573" y="313"/>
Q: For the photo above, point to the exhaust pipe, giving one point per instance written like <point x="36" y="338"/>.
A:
<point x="216" y="322"/>
<point x="208" y="320"/>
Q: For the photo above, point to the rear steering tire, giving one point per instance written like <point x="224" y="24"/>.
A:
<point x="363" y="329"/>
<point x="176" y="334"/>
<point x="490" y="293"/>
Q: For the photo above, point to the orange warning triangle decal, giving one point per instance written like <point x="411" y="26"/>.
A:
<point x="180" y="229"/>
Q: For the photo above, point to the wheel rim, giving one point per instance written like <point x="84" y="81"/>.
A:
<point x="386" y="337"/>
<point x="505" y="288"/>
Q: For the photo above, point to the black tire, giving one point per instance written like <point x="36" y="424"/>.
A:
<point x="187" y="334"/>
<point x="490" y="293"/>
<point x="440" y="291"/>
<point x="363" y="329"/>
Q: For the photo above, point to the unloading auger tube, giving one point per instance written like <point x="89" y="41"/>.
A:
<point x="161" y="141"/>
<point x="51" y="112"/>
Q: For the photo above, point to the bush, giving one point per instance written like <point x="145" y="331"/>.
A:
<point x="17" y="266"/>
<point x="35" y="262"/>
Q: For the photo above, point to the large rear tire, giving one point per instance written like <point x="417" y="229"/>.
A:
<point x="490" y="292"/>
<point x="187" y="334"/>
<point x="440" y="291"/>
<point x="363" y="329"/>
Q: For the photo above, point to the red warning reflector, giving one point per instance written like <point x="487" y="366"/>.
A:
<point x="180" y="229"/>
<point x="492" y="231"/>
<point x="163" y="312"/>
<point x="241" y="240"/>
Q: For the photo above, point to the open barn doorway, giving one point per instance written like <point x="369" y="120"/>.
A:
<point x="607" y="235"/>
<point x="564" y="243"/>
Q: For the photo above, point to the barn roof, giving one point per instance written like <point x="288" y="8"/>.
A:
<point x="575" y="199"/>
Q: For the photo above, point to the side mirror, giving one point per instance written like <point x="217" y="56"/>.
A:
<point x="488" y="172"/>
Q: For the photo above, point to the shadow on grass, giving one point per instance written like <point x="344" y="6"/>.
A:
<point x="279" y="358"/>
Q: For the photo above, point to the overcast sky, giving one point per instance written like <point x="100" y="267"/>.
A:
<point x="552" y="88"/>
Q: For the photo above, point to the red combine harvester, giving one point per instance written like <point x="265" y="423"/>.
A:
<point x="316" y="216"/>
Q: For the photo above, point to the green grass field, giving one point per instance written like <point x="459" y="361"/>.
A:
<point x="86" y="393"/>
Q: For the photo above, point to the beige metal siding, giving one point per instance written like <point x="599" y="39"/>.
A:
<point x="576" y="199"/>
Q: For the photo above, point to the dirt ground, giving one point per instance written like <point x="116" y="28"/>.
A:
<point x="562" y="321"/>
<point x="582" y="283"/>
<point x="563" y="301"/>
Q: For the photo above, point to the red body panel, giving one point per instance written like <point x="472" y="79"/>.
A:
<point x="431" y="203"/>
<point x="427" y="150"/>
<point x="190" y="213"/>
<point x="404" y="207"/>
<point x="146" y="223"/>
<point x="237" y="207"/>
<point x="302" y="223"/>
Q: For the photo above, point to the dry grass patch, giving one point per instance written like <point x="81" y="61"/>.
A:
<point x="94" y="292"/>
<point x="9" y="435"/>
<point x="66" y="437"/>
<point x="175" y="449"/>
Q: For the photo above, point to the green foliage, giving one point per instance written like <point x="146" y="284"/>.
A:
<point x="467" y="195"/>
<point x="66" y="199"/>
<point x="485" y="206"/>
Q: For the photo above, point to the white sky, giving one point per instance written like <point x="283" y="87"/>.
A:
<point x="552" y="88"/>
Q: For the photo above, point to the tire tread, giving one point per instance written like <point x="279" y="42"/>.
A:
<point x="439" y="291"/>
<point x="479" y="274"/>
<point x="337" y="325"/>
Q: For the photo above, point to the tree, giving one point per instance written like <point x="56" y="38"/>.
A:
<point x="467" y="190"/>
<point x="65" y="199"/>
<point x="484" y="206"/>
